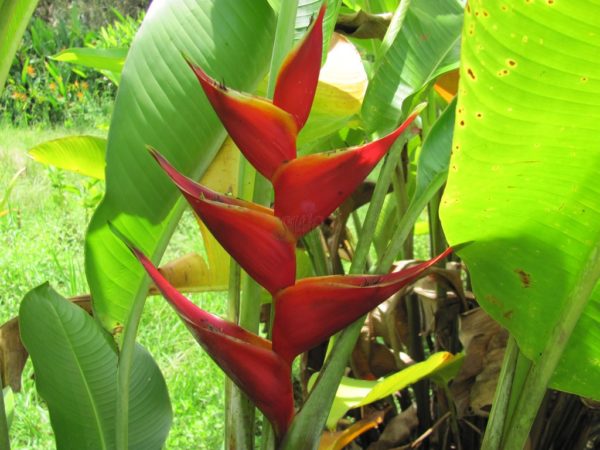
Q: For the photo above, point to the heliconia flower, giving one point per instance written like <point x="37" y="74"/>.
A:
<point x="256" y="239"/>
<point x="309" y="188"/>
<point x="299" y="74"/>
<point x="264" y="130"/>
<point x="315" y="308"/>
<point x="245" y="357"/>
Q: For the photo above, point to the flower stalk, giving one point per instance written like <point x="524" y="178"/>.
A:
<point x="263" y="240"/>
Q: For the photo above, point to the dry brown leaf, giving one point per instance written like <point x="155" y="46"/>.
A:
<point x="337" y="440"/>
<point x="362" y="25"/>
<point x="397" y="430"/>
<point x="12" y="355"/>
<point x="484" y="342"/>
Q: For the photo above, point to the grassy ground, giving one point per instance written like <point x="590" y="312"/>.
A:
<point x="42" y="240"/>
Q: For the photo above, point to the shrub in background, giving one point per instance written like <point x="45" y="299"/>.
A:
<point x="40" y="90"/>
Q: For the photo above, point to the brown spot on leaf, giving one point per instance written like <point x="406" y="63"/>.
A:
<point x="524" y="277"/>
<point x="508" y="314"/>
<point x="471" y="74"/>
<point x="493" y="300"/>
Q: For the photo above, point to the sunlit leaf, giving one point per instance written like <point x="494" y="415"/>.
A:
<point x="426" y="42"/>
<point x="9" y="405"/>
<point x="80" y="154"/>
<point x="14" y="17"/>
<point x="353" y="393"/>
<point x="340" y="92"/>
<point x="523" y="182"/>
<point x="110" y="59"/>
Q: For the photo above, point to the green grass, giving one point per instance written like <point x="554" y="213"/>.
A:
<point x="42" y="240"/>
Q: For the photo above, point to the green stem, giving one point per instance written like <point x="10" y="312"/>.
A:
<point x="494" y="430"/>
<point x="238" y="432"/>
<point x="316" y="252"/>
<point x="541" y="372"/>
<point x="370" y="224"/>
<point x="4" y="438"/>
<point x="124" y="368"/>
<point x="453" y="416"/>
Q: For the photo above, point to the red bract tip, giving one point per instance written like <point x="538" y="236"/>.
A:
<point x="299" y="74"/>
<point x="315" y="308"/>
<point x="250" y="233"/>
<point x="310" y="188"/>
<point x="265" y="133"/>
<point x="194" y="191"/>
<point x="245" y="357"/>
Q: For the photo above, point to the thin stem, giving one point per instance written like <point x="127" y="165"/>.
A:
<point x="492" y="439"/>
<point x="238" y="433"/>
<point x="4" y="438"/>
<point x="453" y="416"/>
<point x="316" y="252"/>
<point x="417" y="353"/>
<point x="124" y="369"/>
<point x="370" y="224"/>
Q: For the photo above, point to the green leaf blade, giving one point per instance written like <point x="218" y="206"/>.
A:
<point x="111" y="59"/>
<point x="75" y="363"/>
<point x="73" y="359"/>
<point x="161" y="104"/>
<point x="425" y="43"/>
<point x="353" y="393"/>
<point x="523" y="179"/>
<point x="14" y="17"/>
<point x="84" y="155"/>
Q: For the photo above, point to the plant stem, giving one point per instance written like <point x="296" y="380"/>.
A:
<point x="539" y="376"/>
<point x="124" y="368"/>
<point x="492" y="438"/>
<point x="316" y="252"/>
<point x="237" y="433"/>
<point x="381" y="188"/>
<point x="417" y="353"/>
<point x="4" y="438"/>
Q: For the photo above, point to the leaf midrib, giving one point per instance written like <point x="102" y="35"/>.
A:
<point x="95" y="408"/>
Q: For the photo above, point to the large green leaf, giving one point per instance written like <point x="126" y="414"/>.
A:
<point x="425" y="44"/>
<point x="160" y="103"/>
<point x="80" y="154"/>
<point x="352" y="393"/>
<point x="523" y="182"/>
<point x="75" y="363"/>
<point x="14" y="17"/>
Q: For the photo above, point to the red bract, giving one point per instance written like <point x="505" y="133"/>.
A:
<point x="250" y="233"/>
<point x="265" y="133"/>
<point x="310" y="188"/>
<point x="315" y="308"/>
<point x="299" y="74"/>
<point x="245" y="357"/>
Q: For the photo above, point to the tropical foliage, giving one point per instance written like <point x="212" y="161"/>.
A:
<point x="308" y="241"/>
